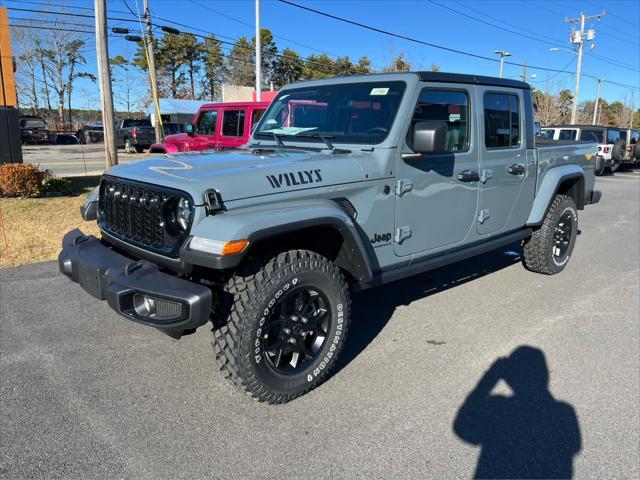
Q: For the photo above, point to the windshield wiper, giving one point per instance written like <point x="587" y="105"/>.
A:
<point x="325" y="139"/>
<point x="277" y="138"/>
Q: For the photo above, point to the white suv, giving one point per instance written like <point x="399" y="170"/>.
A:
<point x="611" y="142"/>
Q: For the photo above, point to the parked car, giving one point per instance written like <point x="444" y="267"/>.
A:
<point x="611" y="143"/>
<point x="33" y="129"/>
<point x="135" y="135"/>
<point x="374" y="179"/>
<point x="632" y="153"/>
<point x="173" y="128"/>
<point x="91" y="133"/>
<point x="215" y="126"/>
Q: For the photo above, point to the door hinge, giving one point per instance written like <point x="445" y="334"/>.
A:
<point x="402" y="233"/>
<point x="486" y="175"/>
<point x="483" y="216"/>
<point x="403" y="186"/>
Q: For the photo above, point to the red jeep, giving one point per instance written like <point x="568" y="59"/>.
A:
<point x="215" y="126"/>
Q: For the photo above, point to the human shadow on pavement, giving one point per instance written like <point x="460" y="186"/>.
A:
<point x="527" y="435"/>
<point x="373" y="308"/>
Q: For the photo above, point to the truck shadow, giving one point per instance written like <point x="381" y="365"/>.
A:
<point x="528" y="434"/>
<point x="373" y="308"/>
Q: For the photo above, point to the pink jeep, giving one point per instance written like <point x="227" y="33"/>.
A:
<point x="215" y="126"/>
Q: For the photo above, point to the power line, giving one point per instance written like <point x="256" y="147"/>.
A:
<point x="552" y="42"/>
<point x="47" y="4"/>
<point x="411" y="39"/>
<point x="68" y="14"/>
<point x="564" y="70"/>
<point x="422" y="42"/>
<point x="35" y="27"/>
<point x="233" y="19"/>
<point x="57" y="22"/>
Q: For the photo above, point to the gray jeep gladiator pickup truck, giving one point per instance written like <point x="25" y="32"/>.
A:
<point x="346" y="183"/>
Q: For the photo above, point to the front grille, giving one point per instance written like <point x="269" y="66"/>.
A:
<point x="141" y="214"/>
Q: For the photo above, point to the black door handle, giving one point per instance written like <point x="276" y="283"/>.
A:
<point x="468" y="176"/>
<point x="515" y="169"/>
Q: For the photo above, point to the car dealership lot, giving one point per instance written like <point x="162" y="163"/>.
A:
<point x="73" y="160"/>
<point x="85" y="393"/>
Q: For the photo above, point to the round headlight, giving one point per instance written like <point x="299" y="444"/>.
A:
<point x="183" y="213"/>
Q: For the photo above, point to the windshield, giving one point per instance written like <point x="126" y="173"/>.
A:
<point x="32" y="123"/>
<point x="346" y="113"/>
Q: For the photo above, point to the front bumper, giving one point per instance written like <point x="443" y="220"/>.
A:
<point x="137" y="290"/>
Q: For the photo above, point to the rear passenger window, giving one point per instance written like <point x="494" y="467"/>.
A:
<point x="233" y="123"/>
<point x="567" y="135"/>
<point x="450" y="107"/>
<point x="591" y="136"/>
<point x="501" y="120"/>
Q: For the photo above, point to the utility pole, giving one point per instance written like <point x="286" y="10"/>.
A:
<point x="151" y="63"/>
<point x="258" y="55"/>
<point x="502" y="54"/>
<point x="524" y="72"/>
<point x="104" y="77"/>
<point x="595" y="107"/>
<point x="578" y="37"/>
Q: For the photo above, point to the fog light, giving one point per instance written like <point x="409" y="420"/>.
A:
<point x="156" y="308"/>
<point x="143" y="305"/>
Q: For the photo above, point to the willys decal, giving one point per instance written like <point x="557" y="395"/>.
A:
<point x="292" y="179"/>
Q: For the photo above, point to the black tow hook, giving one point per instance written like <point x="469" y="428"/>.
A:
<point x="131" y="267"/>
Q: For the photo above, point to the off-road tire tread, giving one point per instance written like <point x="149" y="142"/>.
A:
<point x="245" y="291"/>
<point x="536" y="250"/>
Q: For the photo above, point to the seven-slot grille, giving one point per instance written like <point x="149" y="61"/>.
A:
<point x="136" y="212"/>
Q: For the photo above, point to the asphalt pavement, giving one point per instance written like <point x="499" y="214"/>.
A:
<point x="73" y="160"/>
<point x="86" y="394"/>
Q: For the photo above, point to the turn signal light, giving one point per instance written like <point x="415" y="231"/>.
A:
<point x="218" y="247"/>
<point x="237" y="246"/>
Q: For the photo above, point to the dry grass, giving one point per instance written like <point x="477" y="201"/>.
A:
<point x="34" y="228"/>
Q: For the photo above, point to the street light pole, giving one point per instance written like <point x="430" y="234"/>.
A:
<point x="258" y="55"/>
<point x="595" y="107"/>
<point x="502" y="54"/>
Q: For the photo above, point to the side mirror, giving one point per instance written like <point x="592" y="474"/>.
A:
<point x="189" y="128"/>
<point x="429" y="137"/>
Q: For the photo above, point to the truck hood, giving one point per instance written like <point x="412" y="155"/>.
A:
<point x="239" y="174"/>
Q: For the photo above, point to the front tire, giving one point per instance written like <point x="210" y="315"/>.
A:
<point x="550" y="247"/>
<point x="286" y="325"/>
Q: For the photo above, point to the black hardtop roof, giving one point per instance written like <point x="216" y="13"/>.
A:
<point x="578" y="125"/>
<point x="474" y="79"/>
<point x="442" y="77"/>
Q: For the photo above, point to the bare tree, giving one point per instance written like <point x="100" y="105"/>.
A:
<point x="548" y="108"/>
<point x="624" y="113"/>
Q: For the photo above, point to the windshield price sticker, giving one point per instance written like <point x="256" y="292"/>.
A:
<point x="379" y="91"/>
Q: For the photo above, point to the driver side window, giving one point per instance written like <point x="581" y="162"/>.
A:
<point x="450" y="107"/>
<point x="206" y="124"/>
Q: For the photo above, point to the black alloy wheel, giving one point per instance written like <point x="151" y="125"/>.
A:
<point x="562" y="236"/>
<point x="297" y="330"/>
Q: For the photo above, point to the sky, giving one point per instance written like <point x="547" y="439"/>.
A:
<point x="525" y="28"/>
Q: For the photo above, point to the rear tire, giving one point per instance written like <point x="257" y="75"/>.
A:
<point x="600" y="166"/>
<point x="128" y="148"/>
<point x="284" y="325"/>
<point x="550" y="247"/>
<point x="139" y="149"/>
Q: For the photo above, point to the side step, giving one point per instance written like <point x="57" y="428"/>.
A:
<point x="440" y="260"/>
